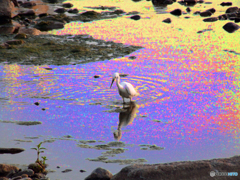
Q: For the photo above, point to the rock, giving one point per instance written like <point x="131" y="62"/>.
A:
<point x="176" y="12"/>
<point x="237" y="20"/>
<point x="66" y="170"/>
<point x="67" y="5"/>
<point x="135" y="17"/>
<point x="211" y="19"/>
<point x="118" y="11"/>
<point x="212" y="10"/>
<point x="74" y="11"/>
<point x="82" y="171"/>
<point x="6" y="169"/>
<point x="188" y="9"/>
<point x="161" y="2"/>
<point x="11" y="150"/>
<point x="37" y="103"/>
<point x="4" y="178"/>
<point x="38" y="176"/>
<point x="190" y="2"/>
<point x="223" y="17"/>
<point x="60" y="10"/>
<point x="6" y="8"/>
<point x="35" y="167"/>
<point x="230" y="27"/>
<point x="100" y="174"/>
<point x="168" y="20"/>
<point x="96" y="76"/>
<point x="28" y="172"/>
<point x="197" y="12"/>
<point x="28" y="4"/>
<point x="133" y="57"/>
<point x="49" y="25"/>
<point x="187" y="170"/>
<point x="15" y="42"/>
<point x="232" y="9"/>
<point x="226" y="4"/>
<point x="205" y="13"/>
<point x="20" y="36"/>
<point x="29" y="12"/>
<point x="43" y="15"/>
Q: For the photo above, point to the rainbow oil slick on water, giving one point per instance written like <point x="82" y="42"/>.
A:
<point x="189" y="100"/>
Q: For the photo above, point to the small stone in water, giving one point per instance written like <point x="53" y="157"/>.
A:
<point x="58" y="166"/>
<point x="37" y="103"/>
<point x="66" y="170"/>
<point x="82" y="171"/>
<point x="43" y="109"/>
<point x="96" y="76"/>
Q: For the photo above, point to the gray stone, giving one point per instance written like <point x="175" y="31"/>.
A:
<point x="29" y="172"/>
<point x="100" y="174"/>
<point x="5" y="169"/>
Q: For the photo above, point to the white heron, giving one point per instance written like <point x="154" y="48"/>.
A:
<point x="126" y="90"/>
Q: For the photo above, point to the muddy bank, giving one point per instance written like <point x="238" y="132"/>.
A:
<point x="59" y="50"/>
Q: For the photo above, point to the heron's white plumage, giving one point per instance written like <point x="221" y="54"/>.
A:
<point x="125" y="89"/>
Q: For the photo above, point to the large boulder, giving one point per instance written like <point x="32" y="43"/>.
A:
<point x="6" y="7"/>
<point x="187" y="170"/>
<point x="99" y="174"/>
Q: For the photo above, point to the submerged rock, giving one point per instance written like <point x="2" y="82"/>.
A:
<point x="135" y="17"/>
<point x="232" y="9"/>
<point x="161" y="2"/>
<point x="226" y="4"/>
<point x="100" y="174"/>
<point x="211" y="19"/>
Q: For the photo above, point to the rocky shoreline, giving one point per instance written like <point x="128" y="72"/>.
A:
<point x="188" y="170"/>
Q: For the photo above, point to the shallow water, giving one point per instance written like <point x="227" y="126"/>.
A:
<point x="188" y="84"/>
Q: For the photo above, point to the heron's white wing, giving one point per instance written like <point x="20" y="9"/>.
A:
<point x="129" y="88"/>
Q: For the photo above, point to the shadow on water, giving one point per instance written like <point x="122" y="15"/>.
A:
<point x="126" y="117"/>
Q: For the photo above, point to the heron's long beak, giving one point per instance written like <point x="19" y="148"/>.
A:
<point x="112" y="82"/>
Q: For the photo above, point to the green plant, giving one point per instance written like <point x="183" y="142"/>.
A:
<point x="39" y="150"/>
<point x="44" y="160"/>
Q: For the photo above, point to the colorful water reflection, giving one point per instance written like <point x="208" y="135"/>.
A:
<point x="188" y="84"/>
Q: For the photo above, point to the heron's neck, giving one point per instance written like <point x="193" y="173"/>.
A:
<point x="118" y="83"/>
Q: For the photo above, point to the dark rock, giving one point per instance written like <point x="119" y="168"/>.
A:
<point x="43" y="15"/>
<point x="176" y="12"/>
<point x="190" y="2"/>
<point x="67" y="5"/>
<point x="134" y="57"/>
<point x="11" y="150"/>
<point x="237" y="20"/>
<point x="82" y="171"/>
<point x="197" y="12"/>
<point x="118" y="11"/>
<point x="43" y="109"/>
<point x="187" y="170"/>
<point x="49" y="25"/>
<point x="29" y="172"/>
<point x="66" y="170"/>
<point x="226" y="4"/>
<point x="96" y="76"/>
<point x="187" y="17"/>
<point x="20" y="36"/>
<point x="6" y="169"/>
<point x="74" y="11"/>
<point x="230" y="27"/>
<point x="51" y="1"/>
<point x="212" y="10"/>
<point x="15" y="42"/>
<point x="168" y="20"/>
<point x="58" y="166"/>
<point x="6" y="8"/>
<point x="100" y="174"/>
<point x="60" y="10"/>
<point x="29" y="12"/>
<point x="205" y="13"/>
<point x="232" y="9"/>
<point x="28" y="4"/>
<point x="188" y="9"/>
<point x="4" y="178"/>
<point x="161" y="2"/>
<point x="38" y="176"/>
<point x="223" y="17"/>
<point x="211" y="19"/>
<point x="35" y="167"/>
<point x="135" y="17"/>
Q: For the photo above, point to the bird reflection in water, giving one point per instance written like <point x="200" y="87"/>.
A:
<point x="126" y="117"/>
